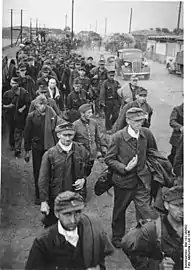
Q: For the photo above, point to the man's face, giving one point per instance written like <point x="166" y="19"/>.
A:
<point x="14" y="85"/>
<point x="135" y="125"/>
<point x="66" y="137"/>
<point x="71" y="67"/>
<point x="41" y="107"/>
<point x="141" y="98"/>
<point x="52" y="83"/>
<point x="102" y="66"/>
<point x="111" y="76"/>
<point x="22" y="72"/>
<point x="45" y="74"/>
<point x="77" y="66"/>
<point x="88" y="114"/>
<point x="134" y="82"/>
<point x="77" y="87"/>
<point x="82" y="72"/>
<point x="175" y="211"/>
<point x="69" y="220"/>
<point x="89" y="61"/>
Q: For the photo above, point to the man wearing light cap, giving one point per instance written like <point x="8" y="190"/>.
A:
<point x="140" y="102"/>
<point x="75" y="99"/>
<point x="109" y="99"/>
<point x="76" y="242"/>
<point x="126" y="158"/>
<point x="39" y="135"/>
<point x="16" y="104"/>
<point x="62" y="168"/>
<point x="87" y="133"/>
<point x="160" y="242"/>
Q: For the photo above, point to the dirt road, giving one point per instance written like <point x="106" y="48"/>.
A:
<point x="21" y="218"/>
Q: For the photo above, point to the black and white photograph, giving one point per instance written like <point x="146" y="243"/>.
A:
<point x="92" y="136"/>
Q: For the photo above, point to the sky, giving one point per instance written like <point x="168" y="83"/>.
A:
<point x="146" y="14"/>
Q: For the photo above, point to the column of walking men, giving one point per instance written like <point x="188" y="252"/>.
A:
<point x="54" y="102"/>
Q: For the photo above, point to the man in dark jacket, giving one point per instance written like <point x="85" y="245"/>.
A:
<point x="62" y="168"/>
<point x="75" y="99"/>
<point x="87" y="133"/>
<point x="76" y="242"/>
<point x="177" y="123"/>
<point x="45" y="76"/>
<point x="89" y="66"/>
<point x="126" y="158"/>
<point x="39" y="136"/>
<point x="159" y="244"/>
<point x="140" y="102"/>
<point x="15" y="104"/>
<point x="109" y="99"/>
<point x="26" y="82"/>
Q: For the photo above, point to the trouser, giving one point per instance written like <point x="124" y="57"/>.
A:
<point x="37" y="159"/>
<point x="172" y="155"/>
<point x="89" y="166"/>
<point x="111" y="114"/>
<point x="122" y="199"/>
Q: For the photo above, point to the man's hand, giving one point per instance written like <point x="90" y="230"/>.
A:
<point x="95" y="76"/>
<point x="21" y="110"/>
<point x="168" y="263"/>
<point x="8" y="106"/>
<point x="132" y="163"/>
<point x="44" y="208"/>
<point x="94" y="268"/>
<point x="182" y="129"/>
<point x="79" y="184"/>
<point x="27" y="157"/>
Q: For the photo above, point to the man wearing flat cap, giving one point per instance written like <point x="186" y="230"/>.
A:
<point x="62" y="168"/>
<point x="140" y="102"/>
<point x="39" y="135"/>
<point x="26" y="81"/>
<point x="84" y="80"/>
<point x="159" y="243"/>
<point x="31" y="68"/>
<point x="43" y="90"/>
<point x="16" y="104"/>
<point x="75" y="99"/>
<point x="89" y="66"/>
<point x="75" y="73"/>
<point x="87" y="133"/>
<point x="109" y="99"/>
<point x="76" y="242"/>
<point x="126" y="158"/>
<point x="98" y="76"/>
<point x="44" y="76"/>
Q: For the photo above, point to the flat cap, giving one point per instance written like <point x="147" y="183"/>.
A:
<point x="22" y="66"/>
<point x="42" y="89"/>
<point x="45" y="69"/>
<point x="66" y="126"/>
<point x="174" y="195"/>
<point x="68" y="201"/>
<point x="15" y="79"/>
<point x="141" y="91"/>
<point x="101" y="61"/>
<point x="136" y="114"/>
<point x="90" y="57"/>
<point x="83" y="68"/>
<point x="111" y="71"/>
<point x="40" y="99"/>
<point x="85" y="107"/>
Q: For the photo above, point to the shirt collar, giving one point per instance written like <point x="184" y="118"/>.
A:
<point x="127" y="136"/>
<point x="64" y="147"/>
<point x="71" y="236"/>
<point x="132" y="133"/>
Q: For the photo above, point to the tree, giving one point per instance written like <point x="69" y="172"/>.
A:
<point x="178" y="31"/>
<point x="165" y="30"/>
<point x="158" y="29"/>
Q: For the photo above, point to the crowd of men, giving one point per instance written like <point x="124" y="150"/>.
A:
<point x="52" y="100"/>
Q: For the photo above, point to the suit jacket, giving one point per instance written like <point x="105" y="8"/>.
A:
<point x="95" y="246"/>
<point x="120" y="153"/>
<point x="176" y="122"/>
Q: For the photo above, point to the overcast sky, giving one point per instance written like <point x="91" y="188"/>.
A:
<point x="146" y="15"/>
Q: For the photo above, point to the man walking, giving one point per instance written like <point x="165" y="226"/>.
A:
<point x="126" y="158"/>
<point x="62" y="168"/>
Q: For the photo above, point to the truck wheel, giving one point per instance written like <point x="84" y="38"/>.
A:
<point x="147" y="77"/>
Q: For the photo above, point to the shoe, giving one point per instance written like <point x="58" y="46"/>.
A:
<point x="37" y="201"/>
<point x="116" y="243"/>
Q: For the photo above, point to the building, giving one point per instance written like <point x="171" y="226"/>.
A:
<point x="163" y="48"/>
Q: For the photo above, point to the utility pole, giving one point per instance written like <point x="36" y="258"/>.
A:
<point x="21" y="26"/>
<point x="96" y="27"/>
<point x="90" y="27"/>
<point x="31" y="30"/>
<point x="179" y="13"/>
<point x="105" y="27"/>
<point x="37" y="29"/>
<point x="72" y="34"/>
<point x="130" y="21"/>
<point x="65" y="20"/>
<point x="11" y="28"/>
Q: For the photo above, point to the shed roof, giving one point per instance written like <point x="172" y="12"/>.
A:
<point x="165" y="38"/>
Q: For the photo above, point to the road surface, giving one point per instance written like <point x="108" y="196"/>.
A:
<point x="21" y="218"/>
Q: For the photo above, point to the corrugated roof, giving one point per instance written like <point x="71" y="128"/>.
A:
<point x="180" y="37"/>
